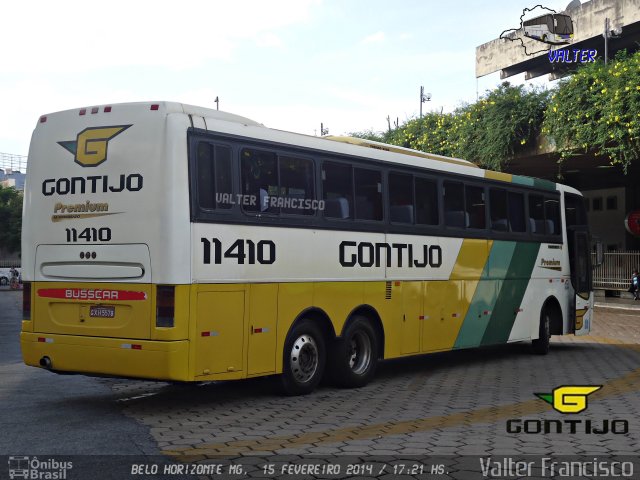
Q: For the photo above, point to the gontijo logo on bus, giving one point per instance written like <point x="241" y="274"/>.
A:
<point x="90" y="146"/>
<point x="90" y="294"/>
<point x="569" y="398"/>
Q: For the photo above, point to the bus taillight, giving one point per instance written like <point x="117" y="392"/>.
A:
<point x="26" y="300"/>
<point x="165" y="300"/>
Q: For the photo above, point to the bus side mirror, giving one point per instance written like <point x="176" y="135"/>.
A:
<point x="599" y="253"/>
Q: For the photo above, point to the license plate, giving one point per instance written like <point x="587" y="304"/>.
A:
<point x="102" y="312"/>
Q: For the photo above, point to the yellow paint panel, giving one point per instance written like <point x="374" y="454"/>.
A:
<point x="389" y="310"/>
<point x="293" y="299"/>
<point x="263" y="317"/>
<point x="410" y="321"/>
<point x="53" y="312"/>
<point x="503" y="177"/>
<point x="219" y="336"/>
<point x="445" y="307"/>
<point x="338" y="299"/>
<point x="82" y="354"/>
<point x="471" y="259"/>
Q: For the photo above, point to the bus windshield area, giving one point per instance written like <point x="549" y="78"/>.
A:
<point x="563" y="25"/>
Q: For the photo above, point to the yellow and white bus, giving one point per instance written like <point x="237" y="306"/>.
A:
<point x="167" y="241"/>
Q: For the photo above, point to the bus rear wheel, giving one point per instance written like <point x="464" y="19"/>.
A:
<point x="354" y="356"/>
<point x="541" y="344"/>
<point x="304" y="359"/>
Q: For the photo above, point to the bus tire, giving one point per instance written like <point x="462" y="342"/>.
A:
<point x="541" y="344"/>
<point x="304" y="359"/>
<point x="354" y="356"/>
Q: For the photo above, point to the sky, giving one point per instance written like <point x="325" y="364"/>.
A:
<point x="289" y="64"/>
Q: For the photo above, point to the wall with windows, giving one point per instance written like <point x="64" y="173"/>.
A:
<point x="606" y="212"/>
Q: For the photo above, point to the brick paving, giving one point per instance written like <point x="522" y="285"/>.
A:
<point x="454" y="403"/>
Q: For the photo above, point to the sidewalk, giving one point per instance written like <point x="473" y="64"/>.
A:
<point x="624" y="302"/>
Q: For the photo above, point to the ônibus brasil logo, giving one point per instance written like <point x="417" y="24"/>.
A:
<point x="569" y="399"/>
<point x="90" y="146"/>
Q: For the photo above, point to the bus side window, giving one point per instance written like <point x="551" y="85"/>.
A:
<point x="401" y="198"/>
<point x="516" y="212"/>
<point x="337" y="190"/>
<point x="206" y="190"/>
<point x="454" y="213"/>
<point x="475" y="207"/>
<point x="426" y="201"/>
<point x="498" y="210"/>
<point x="536" y="214"/>
<point x="259" y="176"/>
<point x="214" y="176"/>
<point x="296" y="185"/>
<point x="368" y="190"/>
<point x="552" y="215"/>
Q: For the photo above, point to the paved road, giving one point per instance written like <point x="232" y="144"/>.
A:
<point x="455" y="403"/>
<point x="42" y="413"/>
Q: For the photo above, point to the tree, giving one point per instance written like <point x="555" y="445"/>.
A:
<point x="10" y="219"/>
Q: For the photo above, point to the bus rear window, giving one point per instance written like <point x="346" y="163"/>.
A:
<point x="214" y="176"/>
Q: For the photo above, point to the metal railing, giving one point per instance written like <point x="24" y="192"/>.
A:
<point x="616" y="270"/>
<point x="13" y="163"/>
<point x="9" y="263"/>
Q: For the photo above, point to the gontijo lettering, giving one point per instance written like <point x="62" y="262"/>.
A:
<point x="367" y="254"/>
<point x="91" y="184"/>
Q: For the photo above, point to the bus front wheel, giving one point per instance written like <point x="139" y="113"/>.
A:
<point x="355" y="355"/>
<point x="541" y="344"/>
<point x="304" y="359"/>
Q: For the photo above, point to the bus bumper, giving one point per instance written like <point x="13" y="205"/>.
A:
<point x="107" y="356"/>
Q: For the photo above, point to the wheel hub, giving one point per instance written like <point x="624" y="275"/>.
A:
<point x="304" y="358"/>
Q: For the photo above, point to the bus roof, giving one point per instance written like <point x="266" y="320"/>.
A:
<point x="228" y="123"/>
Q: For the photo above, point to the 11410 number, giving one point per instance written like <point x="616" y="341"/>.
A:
<point x="88" y="235"/>
<point x="243" y="251"/>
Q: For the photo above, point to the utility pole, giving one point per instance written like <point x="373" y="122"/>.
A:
<point x="323" y="131"/>
<point x="606" y="40"/>
<point x="424" y="97"/>
<point x="217" y="103"/>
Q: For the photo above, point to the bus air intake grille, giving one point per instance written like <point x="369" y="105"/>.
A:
<point x="387" y="292"/>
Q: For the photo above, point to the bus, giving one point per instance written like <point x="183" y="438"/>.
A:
<point x="172" y="242"/>
<point x="553" y="28"/>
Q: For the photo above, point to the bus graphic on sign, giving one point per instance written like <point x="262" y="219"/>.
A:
<point x="18" y="467"/>
<point x="552" y="28"/>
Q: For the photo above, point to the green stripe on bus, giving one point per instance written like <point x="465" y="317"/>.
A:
<point x="534" y="182"/>
<point x="520" y="180"/>
<point x="511" y="293"/>
<point x="484" y="299"/>
<point x="544" y="184"/>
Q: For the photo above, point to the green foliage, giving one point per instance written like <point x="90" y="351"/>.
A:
<point x="488" y="132"/>
<point x="10" y="218"/>
<point x="597" y="110"/>
<point x="501" y="124"/>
